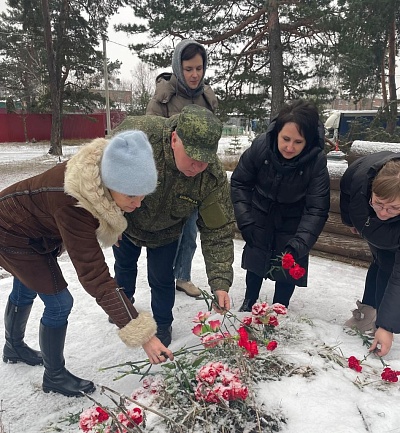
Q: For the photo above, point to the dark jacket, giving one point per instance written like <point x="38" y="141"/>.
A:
<point x="285" y="203"/>
<point x="68" y="206"/>
<point x="170" y="97"/>
<point x="383" y="237"/>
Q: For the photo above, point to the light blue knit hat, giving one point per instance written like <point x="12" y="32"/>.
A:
<point x="128" y="165"/>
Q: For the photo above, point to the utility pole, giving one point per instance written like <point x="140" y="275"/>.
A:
<point x="107" y="94"/>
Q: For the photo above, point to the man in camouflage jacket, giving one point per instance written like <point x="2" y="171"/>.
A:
<point x="189" y="176"/>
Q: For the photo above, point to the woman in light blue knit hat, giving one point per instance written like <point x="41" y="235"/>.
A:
<point x="78" y="206"/>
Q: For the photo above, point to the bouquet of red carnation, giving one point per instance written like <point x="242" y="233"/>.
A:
<point x="288" y="264"/>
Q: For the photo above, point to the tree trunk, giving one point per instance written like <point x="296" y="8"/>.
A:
<point x="383" y="83"/>
<point x="392" y="120"/>
<point x="54" y="66"/>
<point x="23" y="116"/>
<point x="276" y="64"/>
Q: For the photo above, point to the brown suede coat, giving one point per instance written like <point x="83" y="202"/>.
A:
<point x="67" y="207"/>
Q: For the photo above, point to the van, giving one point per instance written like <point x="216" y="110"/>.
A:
<point x="338" y="123"/>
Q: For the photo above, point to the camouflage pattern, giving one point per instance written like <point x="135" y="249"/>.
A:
<point x="200" y="130"/>
<point x="160" y="219"/>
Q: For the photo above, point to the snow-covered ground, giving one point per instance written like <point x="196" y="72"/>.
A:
<point x="325" y="401"/>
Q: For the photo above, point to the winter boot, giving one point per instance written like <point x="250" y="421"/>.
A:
<point x="56" y="377"/>
<point x="253" y="287"/>
<point x="247" y="305"/>
<point x="363" y="319"/>
<point x="164" y="334"/>
<point x="188" y="287"/>
<point x="15" y="350"/>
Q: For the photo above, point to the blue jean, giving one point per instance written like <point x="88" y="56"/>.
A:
<point x="160" y="276"/>
<point x="56" y="307"/>
<point x="186" y="248"/>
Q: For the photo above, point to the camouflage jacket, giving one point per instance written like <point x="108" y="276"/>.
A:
<point x="161" y="217"/>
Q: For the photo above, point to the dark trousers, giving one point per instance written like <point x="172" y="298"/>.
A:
<point x="375" y="285"/>
<point x="160" y="275"/>
<point x="283" y="291"/>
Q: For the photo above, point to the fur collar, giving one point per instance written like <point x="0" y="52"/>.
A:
<point x="83" y="182"/>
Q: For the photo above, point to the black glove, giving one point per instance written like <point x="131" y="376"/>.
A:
<point x="247" y="234"/>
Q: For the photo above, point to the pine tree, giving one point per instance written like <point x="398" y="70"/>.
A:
<point x="53" y="47"/>
<point x="367" y="51"/>
<point x="258" y="50"/>
<point x="234" y="145"/>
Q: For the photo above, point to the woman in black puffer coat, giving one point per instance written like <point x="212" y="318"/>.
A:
<point x="370" y="205"/>
<point x="280" y="193"/>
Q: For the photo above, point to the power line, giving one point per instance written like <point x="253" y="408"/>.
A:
<point x="27" y="34"/>
<point x="117" y="43"/>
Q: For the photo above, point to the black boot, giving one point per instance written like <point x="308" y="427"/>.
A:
<point x="56" y="377"/>
<point x="15" y="350"/>
<point x="247" y="305"/>
<point x="164" y="334"/>
<point x="253" y="287"/>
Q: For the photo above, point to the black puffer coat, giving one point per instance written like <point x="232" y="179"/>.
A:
<point x="286" y="202"/>
<point x="383" y="237"/>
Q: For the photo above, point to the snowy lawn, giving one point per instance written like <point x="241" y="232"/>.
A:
<point x="321" y="396"/>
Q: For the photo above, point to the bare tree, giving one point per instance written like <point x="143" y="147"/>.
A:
<point x="143" y="87"/>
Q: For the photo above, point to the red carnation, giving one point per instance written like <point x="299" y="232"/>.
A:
<point x="354" y="364"/>
<point x="243" y="337"/>
<point x="103" y="415"/>
<point x="272" y="345"/>
<point x="252" y="348"/>
<point x="297" y="272"/>
<point x="390" y="375"/>
<point x="273" y="321"/>
<point x="287" y="261"/>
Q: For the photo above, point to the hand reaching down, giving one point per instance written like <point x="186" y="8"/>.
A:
<point x="223" y="301"/>
<point x="382" y="342"/>
<point x="157" y="352"/>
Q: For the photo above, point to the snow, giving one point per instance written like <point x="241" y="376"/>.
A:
<point x="324" y="400"/>
<point x="336" y="167"/>
<point x="361" y="147"/>
<point x="15" y="152"/>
